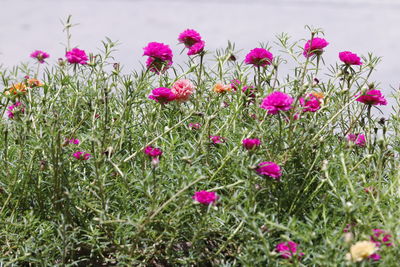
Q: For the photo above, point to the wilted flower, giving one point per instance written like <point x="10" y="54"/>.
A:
<point x="194" y="126"/>
<point x="76" y="56"/>
<point x="310" y="103"/>
<point x="372" y="97"/>
<point x="277" y="101"/>
<point x="288" y="249"/>
<point x="215" y="139"/>
<point x="153" y="151"/>
<point x="222" y="88"/>
<point x="361" y="250"/>
<point x="81" y="155"/>
<point x="251" y="143"/>
<point x="349" y="58"/>
<point x="314" y="46"/>
<point x="205" y="197"/>
<point x="358" y="139"/>
<point x="160" y="57"/>
<point x="39" y="55"/>
<point x="270" y="169"/>
<point x="162" y="95"/>
<point x="381" y="237"/>
<point x="182" y="89"/>
<point x="32" y="82"/>
<point x="259" y="57"/>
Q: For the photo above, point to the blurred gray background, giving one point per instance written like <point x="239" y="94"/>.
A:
<point x="360" y="26"/>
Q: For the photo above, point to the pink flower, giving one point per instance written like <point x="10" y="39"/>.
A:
<point x="349" y="58"/>
<point x="249" y="91"/>
<point x="81" y="155"/>
<point x="194" y="126"/>
<point x="270" y="169"/>
<point x="381" y="237"/>
<point x="259" y="57"/>
<point x="372" y="97"/>
<point x="215" y="139"/>
<point x="288" y="249"/>
<point x="375" y="257"/>
<point x="162" y="95"/>
<point x="251" y="143"/>
<point x="315" y="46"/>
<point x="197" y="48"/>
<point x="14" y="109"/>
<point x="76" y="56"/>
<point x="39" y="55"/>
<point x="189" y="37"/>
<point x="73" y="141"/>
<point x="358" y="139"/>
<point x="182" y="89"/>
<point x="205" y="197"/>
<point x="310" y="103"/>
<point x="160" y="57"/>
<point x="277" y="101"/>
<point x="153" y="151"/>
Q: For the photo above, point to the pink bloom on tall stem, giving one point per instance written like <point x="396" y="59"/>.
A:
<point x="215" y="139"/>
<point x="381" y="237"/>
<point x="153" y="151"/>
<point x="189" y="37"/>
<point x="251" y="143"/>
<point x="315" y="46"/>
<point x="79" y="155"/>
<point x="197" y="48"/>
<point x="205" y="197"/>
<point x="39" y="55"/>
<point x="372" y="97"/>
<point x="310" y="103"/>
<point x="76" y="56"/>
<point x="160" y="57"/>
<point x="288" y="249"/>
<point x="182" y="89"/>
<point x="259" y="57"/>
<point x="357" y="139"/>
<point x="277" y="101"/>
<point x="270" y="169"/>
<point x="162" y="95"/>
<point x="350" y="58"/>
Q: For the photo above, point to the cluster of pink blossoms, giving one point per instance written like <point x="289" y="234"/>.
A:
<point x="380" y="237"/>
<point x="259" y="57"/>
<point x="192" y="40"/>
<point x="39" y="55"/>
<point x="215" y="139"/>
<point x="72" y="141"/>
<point x="357" y="139"/>
<point x="79" y="155"/>
<point x="15" y="109"/>
<point x="194" y="126"/>
<point x="288" y="249"/>
<point x="76" y="56"/>
<point x="159" y="57"/>
<point x="250" y="144"/>
<point x="205" y="197"/>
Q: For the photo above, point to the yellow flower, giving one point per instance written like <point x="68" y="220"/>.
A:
<point x="361" y="250"/>
<point x="222" y="88"/>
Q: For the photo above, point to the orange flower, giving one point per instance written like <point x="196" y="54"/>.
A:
<point x="222" y="88"/>
<point x="318" y="95"/>
<point x="34" y="82"/>
<point x="16" y="89"/>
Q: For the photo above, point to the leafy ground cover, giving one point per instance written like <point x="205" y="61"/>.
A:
<point x="231" y="159"/>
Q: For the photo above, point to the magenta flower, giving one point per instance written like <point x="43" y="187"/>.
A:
<point x="357" y="139"/>
<point x="205" y="197"/>
<point x="160" y="57"/>
<point x="197" y="48"/>
<point x="182" y="89"/>
<point x="259" y="57"/>
<point x="73" y="141"/>
<point x="189" y="37"/>
<point x="375" y="257"/>
<point x="372" y="97"/>
<point x="288" y="249"/>
<point x="249" y="91"/>
<point x="39" y="55"/>
<point x="14" y="109"/>
<point x="79" y="155"/>
<point x="153" y="151"/>
<point x="310" y="103"/>
<point x="251" y="143"/>
<point x="270" y="169"/>
<point x="381" y="237"/>
<point x="315" y="46"/>
<point x="349" y="58"/>
<point x="277" y="101"/>
<point x="76" y="56"/>
<point x="162" y="95"/>
<point x="194" y="126"/>
<point x="215" y="139"/>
